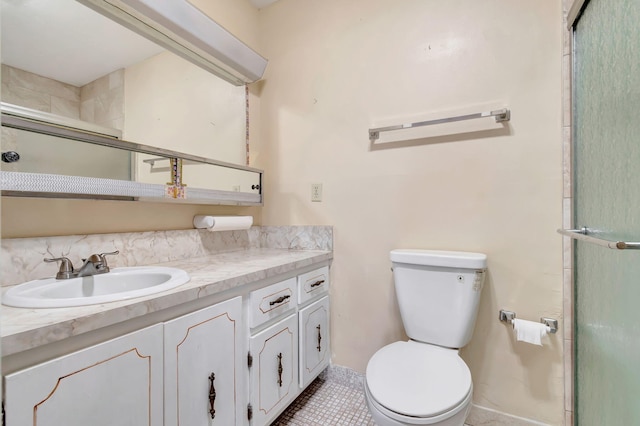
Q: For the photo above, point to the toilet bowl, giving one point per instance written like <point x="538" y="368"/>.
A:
<point x="424" y="381"/>
<point x="411" y="383"/>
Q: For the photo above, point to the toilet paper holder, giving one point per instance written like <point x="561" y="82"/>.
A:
<point x="509" y="316"/>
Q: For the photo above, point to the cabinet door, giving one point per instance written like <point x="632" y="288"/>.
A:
<point x="202" y="367"/>
<point x="118" y="382"/>
<point x="273" y="373"/>
<point x="314" y="340"/>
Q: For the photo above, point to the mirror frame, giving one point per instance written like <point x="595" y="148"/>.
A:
<point x="21" y="184"/>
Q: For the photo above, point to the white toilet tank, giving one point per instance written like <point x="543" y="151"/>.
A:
<point x="438" y="293"/>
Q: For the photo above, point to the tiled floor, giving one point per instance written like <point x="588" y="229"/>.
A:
<point x="327" y="403"/>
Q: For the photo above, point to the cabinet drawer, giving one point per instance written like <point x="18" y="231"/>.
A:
<point x="271" y="302"/>
<point x="313" y="284"/>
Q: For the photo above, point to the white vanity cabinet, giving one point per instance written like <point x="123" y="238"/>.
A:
<point x="288" y="355"/>
<point x="118" y="382"/>
<point x="189" y="368"/>
<point x="203" y="367"/>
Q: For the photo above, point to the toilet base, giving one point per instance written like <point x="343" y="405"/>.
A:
<point x="383" y="420"/>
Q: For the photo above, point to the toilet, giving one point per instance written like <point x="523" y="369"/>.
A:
<point x="424" y="381"/>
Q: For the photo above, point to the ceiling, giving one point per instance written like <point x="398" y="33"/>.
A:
<point x="66" y="41"/>
<point x="260" y="4"/>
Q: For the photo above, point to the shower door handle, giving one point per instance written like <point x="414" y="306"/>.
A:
<point x="584" y="234"/>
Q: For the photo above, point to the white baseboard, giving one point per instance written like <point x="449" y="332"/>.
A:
<point x="481" y="416"/>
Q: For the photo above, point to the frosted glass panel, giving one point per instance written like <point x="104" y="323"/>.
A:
<point x="607" y="199"/>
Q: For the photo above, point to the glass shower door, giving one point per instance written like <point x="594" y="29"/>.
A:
<point x="607" y="201"/>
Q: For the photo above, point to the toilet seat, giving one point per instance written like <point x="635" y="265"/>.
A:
<point x="385" y="417"/>
<point x="418" y="380"/>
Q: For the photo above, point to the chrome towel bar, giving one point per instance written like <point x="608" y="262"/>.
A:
<point x="583" y="234"/>
<point x="500" y="115"/>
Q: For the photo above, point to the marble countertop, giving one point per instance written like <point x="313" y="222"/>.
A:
<point x="23" y="329"/>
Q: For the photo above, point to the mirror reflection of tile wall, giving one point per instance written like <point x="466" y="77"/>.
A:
<point x="100" y="102"/>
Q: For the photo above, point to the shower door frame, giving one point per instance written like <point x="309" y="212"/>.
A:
<point x="572" y="11"/>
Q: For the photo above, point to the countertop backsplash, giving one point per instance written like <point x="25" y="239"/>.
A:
<point x="22" y="258"/>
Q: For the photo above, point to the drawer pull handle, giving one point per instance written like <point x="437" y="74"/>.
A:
<point x="319" y="347"/>
<point x="279" y="300"/>
<point x="280" y="369"/>
<point x="317" y="283"/>
<point x="212" y="395"/>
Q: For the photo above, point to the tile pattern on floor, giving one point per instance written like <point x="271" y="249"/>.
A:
<point x="336" y="397"/>
<point x="327" y="403"/>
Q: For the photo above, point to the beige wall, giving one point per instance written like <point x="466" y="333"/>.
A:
<point x="173" y="104"/>
<point x="335" y="68"/>
<point x="43" y="217"/>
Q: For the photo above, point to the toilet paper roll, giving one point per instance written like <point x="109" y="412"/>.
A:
<point x="222" y="223"/>
<point x="529" y="331"/>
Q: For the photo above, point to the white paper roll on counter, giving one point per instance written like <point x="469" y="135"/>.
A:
<point x="529" y="331"/>
<point x="222" y="223"/>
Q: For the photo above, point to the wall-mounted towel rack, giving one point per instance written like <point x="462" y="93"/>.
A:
<point x="499" y="114"/>
<point x="582" y="234"/>
<point x="152" y="161"/>
<point x="155" y="169"/>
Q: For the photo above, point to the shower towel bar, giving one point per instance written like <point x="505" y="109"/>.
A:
<point x="153" y="161"/>
<point x="583" y="235"/>
<point x="500" y="115"/>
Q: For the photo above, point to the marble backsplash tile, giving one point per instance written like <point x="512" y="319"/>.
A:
<point x="22" y="258"/>
<point x="297" y="237"/>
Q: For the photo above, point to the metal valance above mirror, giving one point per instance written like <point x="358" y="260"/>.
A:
<point x="63" y="121"/>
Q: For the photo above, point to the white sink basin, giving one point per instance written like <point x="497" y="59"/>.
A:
<point x="119" y="284"/>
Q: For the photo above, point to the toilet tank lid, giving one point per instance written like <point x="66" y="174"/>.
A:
<point x="446" y="259"/>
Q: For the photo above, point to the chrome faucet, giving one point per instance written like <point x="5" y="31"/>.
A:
<point x="93" y="265"/>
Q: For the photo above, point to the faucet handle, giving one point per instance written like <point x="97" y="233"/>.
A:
<point x="66" y="267"/>
<point x="103" y="258"/>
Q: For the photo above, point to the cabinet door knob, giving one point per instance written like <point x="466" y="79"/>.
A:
<point x="279" y="300"/>
<point x="212" y="395"/>
<point x="317" y="283"/>
<point x="280" y="369"/>
<point x="319" y="347"/>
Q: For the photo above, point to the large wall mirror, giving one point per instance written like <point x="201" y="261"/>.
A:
<point x="92" y="109"/>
